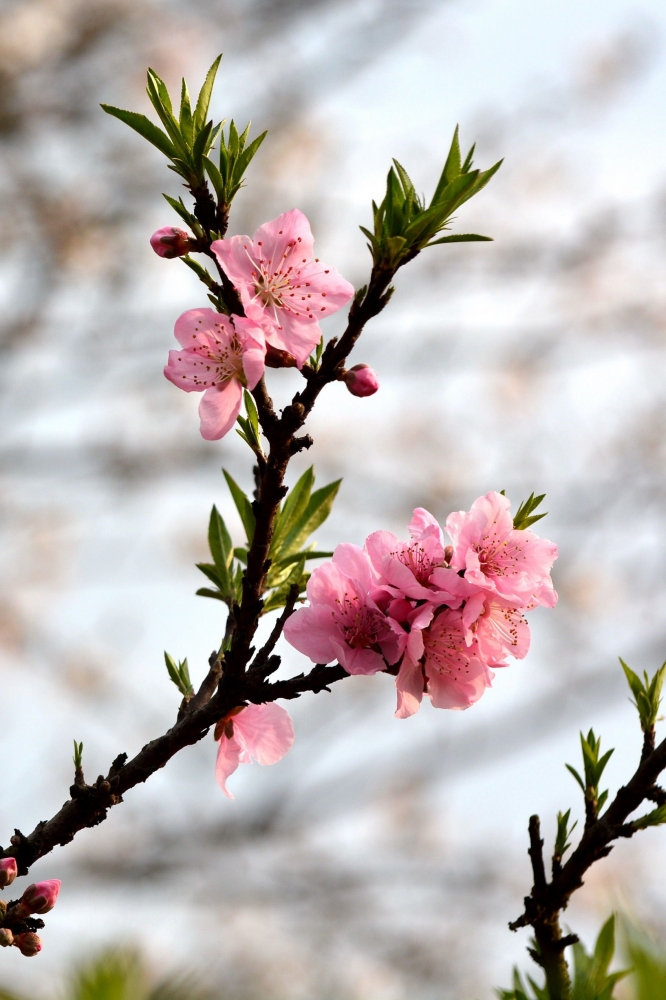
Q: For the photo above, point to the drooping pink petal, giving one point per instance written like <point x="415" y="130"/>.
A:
<point x="409" y="685"/>
<point x="228" y="759"/>
<point x="265" y="731"/>
<point x="501" y="631"/>
<point x="218" y="409"/>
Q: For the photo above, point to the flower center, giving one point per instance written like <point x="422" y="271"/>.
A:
<point x="226" y="363"/>
<point x="270" y="288"/>
<point x="360" y="625"/>
<point x="414" y="557"/>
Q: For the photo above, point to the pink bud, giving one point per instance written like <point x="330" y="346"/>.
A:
<point x="40" y="897"/>
<point x="6" y="937"/>
<point x="169" y="241"/>
<point x="28" y="943"/>
<point x="361" y="380"/>
<point x="8" y="871"/>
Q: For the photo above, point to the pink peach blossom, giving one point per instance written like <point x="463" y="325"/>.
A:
<point x="408" y="568"/>
<point x="499" y="629"/>
<point x="497" y="558"/>
<point x="361" y="380"/>
<point x="282" y="286"/>
<point x="343" y="620"/>
<point x="455" y="672"/>
<point x="263" y="732"/>
<point x="219" y="357"/>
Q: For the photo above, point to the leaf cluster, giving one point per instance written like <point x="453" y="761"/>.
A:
<point x="525" y="515"/>
<point x="647" y="694"/>
<point x="235" y="158"/>
<point x="593" y="767"/>
<point x="185" y="140"/>
<point x="303" y="511"/>
<point x="591" y="979"/>
<point x="403" y="224"/>
<point x="179" y="674"/>
<point x="564" y="831"/>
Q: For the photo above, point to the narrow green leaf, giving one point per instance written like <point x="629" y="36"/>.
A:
<point x="243" y="506"/>
<point x="144" y="127"/>
<point x="451" y="167"/>
<point x="216" y="179"/>
<point x="179" y="207"/>
<point x="185" y="115"/>
<point x="318" y="509"/>
<point x="206" y="592"/>
<point x="221" y="547"/>
<point x="576" y="775"/>
<point x="213" y="574"/>
<point x="292" y="510"/>
<point x="463" y="238"/>
<point x="203" y="101"/>
<point x="467" y="165"/>
<point x="252" y="412"/>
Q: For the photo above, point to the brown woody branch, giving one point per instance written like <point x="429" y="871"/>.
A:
<point x="228" y="683"/>
<point x="547" y="900"/>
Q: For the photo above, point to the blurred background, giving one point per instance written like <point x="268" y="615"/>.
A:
<point x="382" y="859"/>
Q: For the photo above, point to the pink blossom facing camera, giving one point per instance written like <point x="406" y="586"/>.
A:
<point x="282" y="285"/>
<point x="219" y="356"/>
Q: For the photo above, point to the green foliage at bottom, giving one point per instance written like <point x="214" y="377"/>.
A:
<point x="590" y="977"/>
<point x="121" y="974"/>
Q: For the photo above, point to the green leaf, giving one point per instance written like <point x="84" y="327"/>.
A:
<point x="318" y="509"/>
<point x="216" y="179"/>
<point x="179" y="207"/>
<point x="243" y="506"/>
<point x="159" y="98"/>
<point x="213" y="574"/>
<point x="452" y="167"/>
<point x="462" y="238"/>
<point x="647" y="694"/>
<point x="524" y="516"/>
<point x="252" y="412"/>
<point x="203" y="101"/>
<point x="292" y="510"/>
<point x="467" y="165"/>
<point x="221" y="547"/>
<point x="206" y="592"/>
<point x="654" y="818"/>
<point x="185" y="115"/>
<point x="576" y="775"/>
<point x="144" y="127"/>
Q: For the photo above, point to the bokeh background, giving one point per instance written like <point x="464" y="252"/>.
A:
<point x="381" y="859"/>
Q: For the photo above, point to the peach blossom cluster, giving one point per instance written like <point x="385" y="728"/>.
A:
<point x="285" y="291"/>
<point x="439" y="615"/>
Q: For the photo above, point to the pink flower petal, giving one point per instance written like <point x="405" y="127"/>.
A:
<point x="218" y="409"/>
<point x="409" y="685"/>
<point x="228" y="759"/>
<point x="358" y="660"/>
<point x="202" y="328"/>
<point x="265" y="731"/>
<point x="310" y="631"/>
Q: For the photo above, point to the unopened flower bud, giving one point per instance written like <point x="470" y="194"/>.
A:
<point x="276" y="358"/>
<point x="361" y="380"/>
<point x="169" y="241"/>
<point x="8" y="871"/>
<point x="3" y="909"/>
<point x="40" y="897"/>
<point x="448" y="553"/>
<point x="28" y="943"/>
<point x="6" y="937"/>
